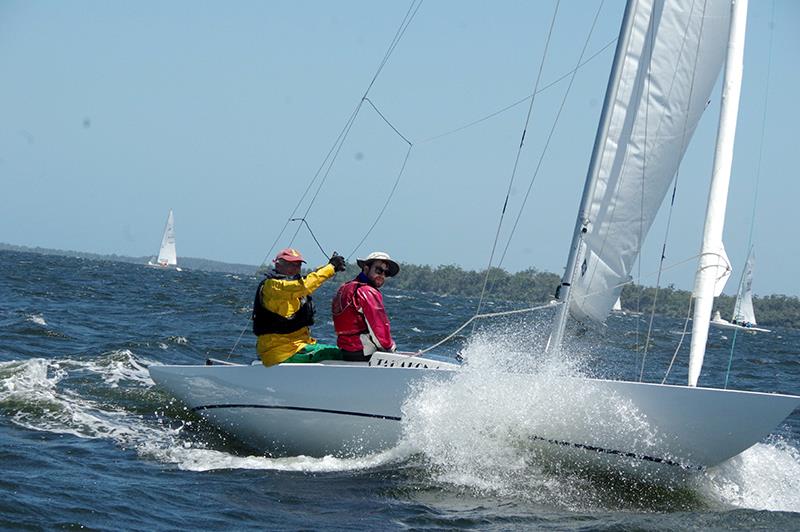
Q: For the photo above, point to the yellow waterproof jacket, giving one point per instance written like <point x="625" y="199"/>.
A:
<point x="283" y="297"/>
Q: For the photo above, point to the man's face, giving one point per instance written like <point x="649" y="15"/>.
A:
<point x="376" y="272"/>
<point x="285" y="267"/>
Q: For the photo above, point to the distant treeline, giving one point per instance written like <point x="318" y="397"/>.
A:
<point x="530" y="286"/>
<point x="770" y="310"/>
<point x="184" y="262"/>
<point x="534" y="287"/>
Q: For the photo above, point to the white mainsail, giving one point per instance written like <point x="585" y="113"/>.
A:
<point x="674" y="53"/>
<point x="167" y="255"/>
<point x="743" y="311"/>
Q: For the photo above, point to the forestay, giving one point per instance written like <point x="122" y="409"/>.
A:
<point x="673" y="57"/>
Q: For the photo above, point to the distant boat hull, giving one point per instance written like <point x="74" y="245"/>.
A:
<point x="725" y="324"/>
<point x="151" y="264"/>
<point x="354" y="409"/>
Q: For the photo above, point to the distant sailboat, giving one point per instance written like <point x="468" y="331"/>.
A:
<point x="744" y="316"/>
<point x="617" y="306"/>
<point x="167" y="256"/>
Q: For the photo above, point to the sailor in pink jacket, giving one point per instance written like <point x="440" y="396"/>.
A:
<point x="359" y="316"/>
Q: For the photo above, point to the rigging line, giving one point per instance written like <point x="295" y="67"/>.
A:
<point x="758" y="179"/>
<point x="395" y="41"/>
<point x="385" y="204"/>
<point x="518" y="102"/>
<point x="327" y="171"/>
<point x="683" y="335"/>
<point x="550" y="135"/>
<point x="387" y="121"/>
<point x="327" y="165"/>
<point x="339" y="139"/>
<point x="482" y="316"/>
<point x="401" y="30"/>
<point x="336" y="147"/>
<point x="649" y="83"/>
<point x="763" y="126"/>
<point x="516" y="160"/>
<point x="730" y="359"/>
<point x="236" y="344"/>
<point x="672" y="200"/>
<point x="312" y="233"/>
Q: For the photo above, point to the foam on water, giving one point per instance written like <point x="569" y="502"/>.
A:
<point x="478" y="432"/>
<point x="33" y="394"/>
<point x="36" y="394"/>
<point x="764" y="477"/>
<point x="193" y="458"/>
<point x="471" y="433"/>
<point x="38" y="319"/>
<point x="474" y="431"/>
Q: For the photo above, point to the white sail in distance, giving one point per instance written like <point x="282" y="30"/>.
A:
<point x="167" y="255"/>
<point x="674" y="55"/>
<point x="743" y="311"/>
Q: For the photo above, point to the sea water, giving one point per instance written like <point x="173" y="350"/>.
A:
<point x="88" y="441"/>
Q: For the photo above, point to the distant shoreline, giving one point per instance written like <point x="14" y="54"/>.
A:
<point x="184" y="262"/>
<point x="529" y="286"/>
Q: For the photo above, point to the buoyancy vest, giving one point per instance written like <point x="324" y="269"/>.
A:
<point x="268" y="322"/>
<point x="347" y="320"/>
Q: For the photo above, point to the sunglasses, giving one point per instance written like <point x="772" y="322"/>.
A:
<point x="380" y="271"/>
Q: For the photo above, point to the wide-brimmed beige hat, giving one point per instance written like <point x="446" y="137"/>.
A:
<point x="394" y="268"/>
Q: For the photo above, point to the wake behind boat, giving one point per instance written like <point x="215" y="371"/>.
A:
<point x="676" y="50"/>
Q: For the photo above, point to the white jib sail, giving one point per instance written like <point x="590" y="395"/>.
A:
<point x="708" y="269"/>
<point x="743" y="311"/>
<point x="673" y="59"/>
<point x="167" y="256"/>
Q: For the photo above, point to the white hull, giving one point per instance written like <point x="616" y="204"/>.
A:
<point x="725" y="324"/>
<point x="151" y="264"/>
<point x="349" y="409"/>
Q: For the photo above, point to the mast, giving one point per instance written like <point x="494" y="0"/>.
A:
<point x="582" y="221"/>
<point x="712" y="254"/>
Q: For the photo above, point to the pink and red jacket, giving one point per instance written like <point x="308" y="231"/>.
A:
<point x="358" y="309"/>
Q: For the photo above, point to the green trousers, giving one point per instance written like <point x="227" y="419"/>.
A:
<point x="315" y="353"/>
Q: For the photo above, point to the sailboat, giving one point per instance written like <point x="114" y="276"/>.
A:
<point x="668" y="57"/>
<point x="744" y="317"/>
<point x="167" y="256"/>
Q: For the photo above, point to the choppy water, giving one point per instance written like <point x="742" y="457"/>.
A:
<point x="87" y="441"/>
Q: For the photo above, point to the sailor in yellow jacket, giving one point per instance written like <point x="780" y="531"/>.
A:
<point x="283" y="311"/>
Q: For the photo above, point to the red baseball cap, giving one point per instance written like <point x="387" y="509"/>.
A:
<point x="289" y="255"/>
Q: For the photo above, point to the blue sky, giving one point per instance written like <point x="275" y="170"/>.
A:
<point x="113" y="113"/>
